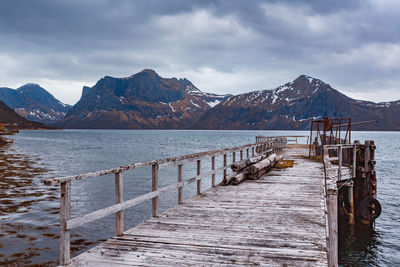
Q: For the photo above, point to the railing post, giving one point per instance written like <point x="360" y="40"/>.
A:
<point x="198" y="181"/>
<point x="224" y="166"/>
<point x="241" y="155"/>
<point x="154" y="185"/>
<point x="252" y="151"/>
<point x="119" y="216"/>
<point x="65" y="212"/>
<point x="213" y="168"/>
<point x="332" y="199"/>
<point x="247" y="153"/>
<point x="234" y="157"/>
<point x="180" y="188"/>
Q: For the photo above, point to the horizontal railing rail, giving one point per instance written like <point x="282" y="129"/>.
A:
<point x="274" y="145"/>
<point x="289" y="138"/>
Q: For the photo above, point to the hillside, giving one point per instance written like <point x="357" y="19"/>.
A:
<point x="12" y="120"/>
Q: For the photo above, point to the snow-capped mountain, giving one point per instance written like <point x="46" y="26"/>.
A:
<point x="294" y="105"/>
<point x="142" y="101"/>
<point x="34" y="103"/>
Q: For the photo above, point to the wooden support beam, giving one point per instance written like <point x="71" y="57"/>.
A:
<point x="154" y="186"/>
<point x="198" y="181"/>
<point x="354" y="160"/>
<point x="119" y="216"/>
<point x="65" y="213"/>
<point x="350" y="197"/>
<point x="180" y="179"/>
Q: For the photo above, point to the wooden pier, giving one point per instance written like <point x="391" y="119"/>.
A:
<point x="286" y="217"/>
<point x="276" y="220"/>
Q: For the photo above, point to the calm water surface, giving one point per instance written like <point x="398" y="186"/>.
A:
<point x="29" y="210"/>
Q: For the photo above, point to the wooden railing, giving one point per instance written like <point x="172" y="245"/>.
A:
<point x="294" y="139"/>
<point x="277" y="144"/>
<point x="345" y="155"/>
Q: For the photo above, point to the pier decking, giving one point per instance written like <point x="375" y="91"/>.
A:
<point x="278" y="220"/>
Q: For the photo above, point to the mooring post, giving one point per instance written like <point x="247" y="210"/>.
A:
<point x="180" y="179"/>
<point x="119" y="216"/>
<point x="198" y="181"/>
<point x="154" y="185"/>
<point x="65" y="212"/>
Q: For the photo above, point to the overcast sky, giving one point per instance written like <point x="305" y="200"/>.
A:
<point x="221" y="46"/>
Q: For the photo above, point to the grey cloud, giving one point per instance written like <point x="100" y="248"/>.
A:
<point x="84" y="40"/>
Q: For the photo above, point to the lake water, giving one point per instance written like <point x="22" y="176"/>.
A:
<point x="29" y="210"/>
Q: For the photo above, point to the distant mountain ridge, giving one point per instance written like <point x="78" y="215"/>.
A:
<point x="292" y="106"/>
<point x="34" y="103"/>
<point x="144" y="100"/>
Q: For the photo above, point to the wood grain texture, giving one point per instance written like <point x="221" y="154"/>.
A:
<point x="278" y="220"/>
<point x="119" y="198"/>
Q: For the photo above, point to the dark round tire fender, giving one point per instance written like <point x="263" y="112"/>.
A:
<point x="370" y="208"/>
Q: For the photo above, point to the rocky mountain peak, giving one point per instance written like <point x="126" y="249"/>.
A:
<point x="150" y="72"/>
<point x="307" y="84"/>
<point x="31" y="87"/>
